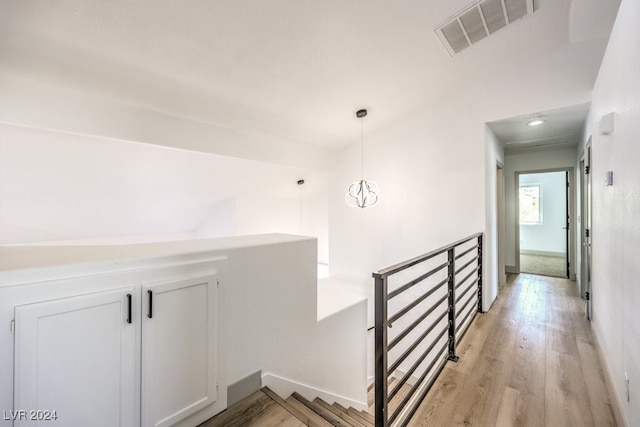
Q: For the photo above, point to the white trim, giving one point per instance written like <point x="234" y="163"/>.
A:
<point x="572" y="208"/>
<point x="543" y="253"/>
<point x="613" y="393"/>
<point x="63" y="272"/>
<point x="284" y="387"/>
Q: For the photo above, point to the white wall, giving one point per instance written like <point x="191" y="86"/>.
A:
<point x="42" y="105"/>
<point x="616" y="234"/>
<point x="315" y="219"/>
<point x="268" y="289"/>
<point x="253" y="213"/>
<point x="548" y="236"/>
<point x="494" y="272"/>
<point x="430" y="194"/>
<point x="70" y="187"/>
<point x="221" y="221"/>
<point x="273" y="324"/>
<point x="529" y="162"/>
<point x="436" y="170"/>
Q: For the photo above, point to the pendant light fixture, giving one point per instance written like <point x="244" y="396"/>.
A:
<point x="362" y="194"/>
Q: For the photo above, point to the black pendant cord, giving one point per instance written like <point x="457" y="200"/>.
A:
<point x="362" y="149"/>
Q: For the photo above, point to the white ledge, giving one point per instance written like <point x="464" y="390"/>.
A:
<point x="335" y="295"/>
<point x="25" y="257"/>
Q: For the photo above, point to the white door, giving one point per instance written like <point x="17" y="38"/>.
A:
<point x="75" y="361"/>
<point x="179" y="363"/>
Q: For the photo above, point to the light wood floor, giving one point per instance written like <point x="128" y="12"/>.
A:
<point x="530" y="361"/>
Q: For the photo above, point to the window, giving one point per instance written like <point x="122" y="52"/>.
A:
<point x="530" y="205"/>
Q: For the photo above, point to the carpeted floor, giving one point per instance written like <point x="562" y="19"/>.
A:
<point x="543" y="265"/>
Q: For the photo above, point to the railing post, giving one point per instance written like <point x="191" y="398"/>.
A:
<point x="451" y="255"/>
<point x="480" y="273"/>
<point x="381" y="380"/>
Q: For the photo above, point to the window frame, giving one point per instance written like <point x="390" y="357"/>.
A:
<point x="520" y="205"/>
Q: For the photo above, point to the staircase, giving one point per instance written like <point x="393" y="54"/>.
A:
<point x="266" y="408"/>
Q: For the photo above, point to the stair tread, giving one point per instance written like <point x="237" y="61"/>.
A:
<point x="365" y="416"/>
<point x="368" y="416"/>
<point x="355" y="414"/>
<point x="256" y="409"/>
<point x="354" y="422"/>
<point x="310" y="417"/>
<point x="331" y="418"/>
<point x="286" y="405"/>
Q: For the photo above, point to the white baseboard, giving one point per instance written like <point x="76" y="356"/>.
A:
<point x="543" y="253"/>
<point x="511" y="269"/>
<point x="613" y="394"/>
<point x="284" y="387"/>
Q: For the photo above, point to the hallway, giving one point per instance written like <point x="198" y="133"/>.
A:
<point x="530" y="361"/>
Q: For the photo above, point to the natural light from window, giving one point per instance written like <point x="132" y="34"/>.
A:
<point x="530" y="201"/>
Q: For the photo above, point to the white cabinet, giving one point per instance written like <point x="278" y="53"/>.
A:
<point x="179" y="364"/>
<point x="75" y="361"/>
<point x="145" y="355"/>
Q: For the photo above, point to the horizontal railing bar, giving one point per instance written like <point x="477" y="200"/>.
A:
<point x="415" y="323"/>
<point x="406" y="416"/>
<point x="464" y="319"/>
<point x="411" y="262"/>
<point x="471" y="273"/>
<point x="423" y="309"/>
<point x="423" y="356"/>
<point x="464" y="331"/>
<point x="415" y="344"/>
<point x="472" y="248"/>
<point x="473" y="295"/>
<point x="465" y="309"/>
<point x="415" y="387"/>
<point x="414" y="282"/>
<point x="424" y="296"/>
<point x="471" y="286"/>
<point x="467" y="265"/>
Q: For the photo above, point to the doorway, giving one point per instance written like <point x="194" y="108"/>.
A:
<point x="543" y="223"/>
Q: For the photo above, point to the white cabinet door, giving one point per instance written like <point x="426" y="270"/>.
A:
<point x="179" y="362"/>
<point x="76" y="356"/>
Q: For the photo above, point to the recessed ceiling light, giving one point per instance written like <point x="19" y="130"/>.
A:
<point x="535" y="121"/>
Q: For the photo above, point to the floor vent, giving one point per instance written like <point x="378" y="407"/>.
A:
<point x="480" y="20"/>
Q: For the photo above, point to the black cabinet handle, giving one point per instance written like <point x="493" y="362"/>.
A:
<point x="150" y="315"/>
<point x="129" y="308"/>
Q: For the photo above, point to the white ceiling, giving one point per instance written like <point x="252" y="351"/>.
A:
<point x="562" y="128"/>
<point x="278" y="70"/>
<point x="289" y="69"/>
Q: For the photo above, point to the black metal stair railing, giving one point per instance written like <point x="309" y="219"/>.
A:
<point x="422" y="304"/>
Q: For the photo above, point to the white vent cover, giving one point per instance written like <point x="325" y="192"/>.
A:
<point x="480" y="20"/>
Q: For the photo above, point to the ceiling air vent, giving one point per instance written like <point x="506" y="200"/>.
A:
<point x="480" y="20"/>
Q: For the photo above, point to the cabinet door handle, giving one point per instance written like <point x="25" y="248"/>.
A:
<point x="128" y="308"/>
<point x="150" y="315"/>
